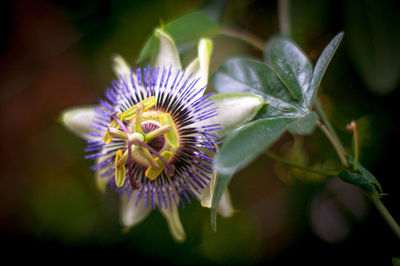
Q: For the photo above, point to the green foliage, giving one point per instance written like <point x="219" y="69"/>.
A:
<point x="292" y="66"/>
<point x="244" y="144"/>
<point x="304" y="125"/>
<point x="362" y="178"/>
<point x="321" y="66"/>
<point x="250" y="76"/>
<point x="221" y="183"/>
<point x="240" y="148"/>
<point x="183" y="30"/>
<point x="289" y="87"/>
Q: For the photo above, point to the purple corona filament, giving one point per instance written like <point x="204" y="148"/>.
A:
<point x="188" y="170"/>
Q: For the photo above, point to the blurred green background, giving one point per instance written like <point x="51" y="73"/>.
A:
<point x="56" y="54"/>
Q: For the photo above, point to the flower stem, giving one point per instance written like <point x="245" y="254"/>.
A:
<point x="385" y="214"/>
<point x="335" y="143"/>
<point x="291" y="164"/>
<point x="329" y="126"/>
<point x="245" y="36"/>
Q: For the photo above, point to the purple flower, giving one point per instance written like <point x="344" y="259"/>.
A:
<point x="153" y="136"/>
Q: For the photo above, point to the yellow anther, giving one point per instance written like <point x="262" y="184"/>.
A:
<point x="107" y="138"/>
<point x="151" y="172"/>
<point x="119" y="170"/>
<point x="147" y="104"/>
<point x="172" y="136"/>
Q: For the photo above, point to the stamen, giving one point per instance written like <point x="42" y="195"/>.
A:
<point x="122" y="159"/>
<point x="155" y="133"/>
<point x="120" y="123"/>
<point x="147" y="104"/>
<point x="151" y="172"/>
<point x="107" y="138"/>
<point x="134" y="184"/>
<point x="169" y="167"/>
<point x="119" y="170"/>
<point x="149" y="158"/>
<point x="171" y="136"/>
<point x="117" y="133"/>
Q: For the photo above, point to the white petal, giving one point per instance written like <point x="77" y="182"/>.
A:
<point x="207" y="193"/>
<point x="167" y="53"/>
<point x="120" y="66"/>
<point x="234" y="110"/>
<point x="174" y="223"/>
<point x="101" y="181"/>
<point x="78" y="120"/>
<point x="200" y="66"/>
<point x="131" y="214"/>
<point x="225" y="205"/>
<point x="122" y="69"/>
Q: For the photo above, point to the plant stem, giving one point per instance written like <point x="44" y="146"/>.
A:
<point x="245" y="36"/>
<point x="284" y="28"/>
<point x="284" y="17"/>
<point x="385" y="214"/>
<point x="328" y="124"/>
<point x="330" y="133"/>
<point x="336" y="144"/>
<point x="291" y="164"/>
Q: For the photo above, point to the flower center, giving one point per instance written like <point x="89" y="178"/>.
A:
<point x="157" y="143"/>
<point x="151" y="139"/>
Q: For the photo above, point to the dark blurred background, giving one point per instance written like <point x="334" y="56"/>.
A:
<point x="56" y="54"/>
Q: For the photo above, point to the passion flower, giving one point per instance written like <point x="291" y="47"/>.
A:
<point x="154" y="135"/>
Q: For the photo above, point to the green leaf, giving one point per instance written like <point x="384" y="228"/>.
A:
<point x="362" y="178"/>
<point x="221" y="184"/>
<point x="250" y="76"/>
<point x="240" y="148"/>
<point x="368" y="175"/>
<point x="320" y="68"/>
<point x="358" y="180"/>
<point x="291" y="65"/>
<point x="244" y="144"/>
<point x="304" y="125"/>
<point x="188" y="28"/>
<point x="234" y="110"/>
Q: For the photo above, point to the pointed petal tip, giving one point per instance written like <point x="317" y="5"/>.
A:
<point x="119" y="66"/>
<point x="225" y="208"/>
<point x="131" y="214"/>
<point x="78" y="120"/>
<point x="174" y="224"/>
<point x="167" y="53"/>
